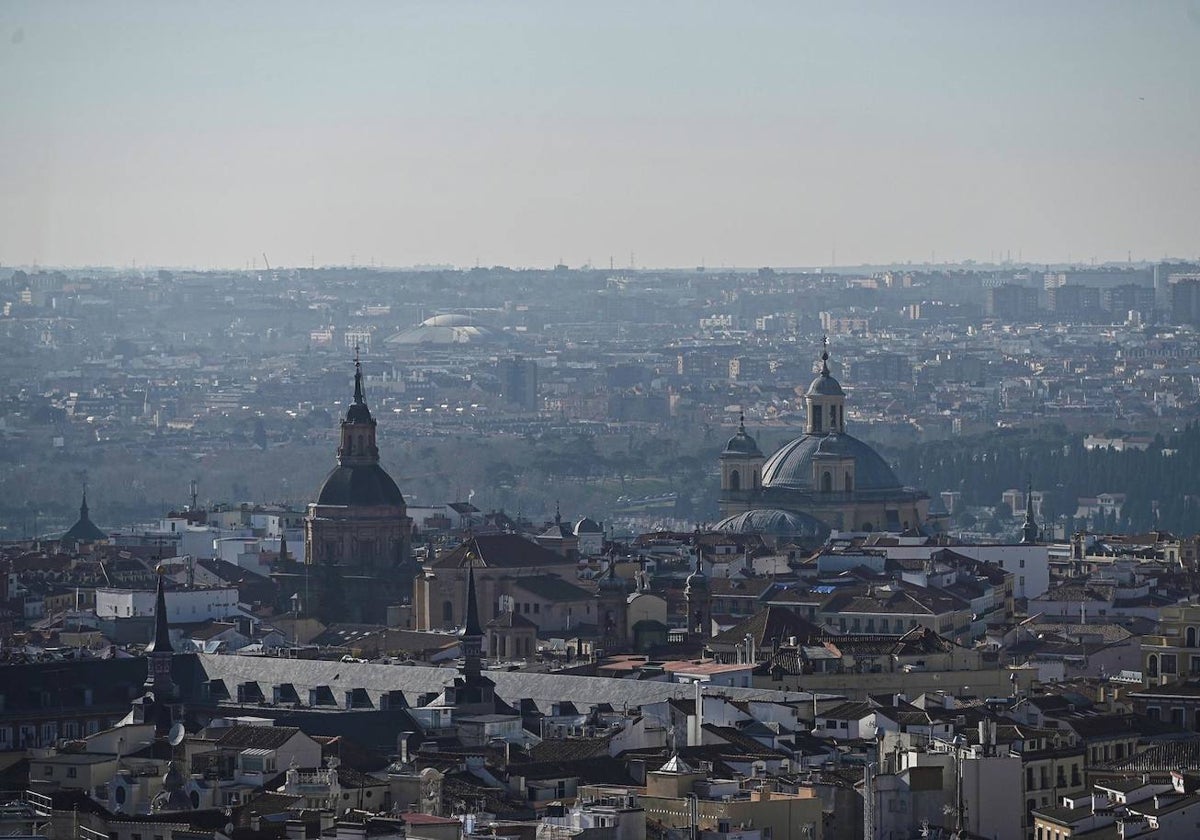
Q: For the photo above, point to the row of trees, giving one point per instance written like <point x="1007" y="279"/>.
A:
<point x="1160" y="483"/>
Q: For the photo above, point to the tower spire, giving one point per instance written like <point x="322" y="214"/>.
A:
<point x="158" y="677"/>
<point x="1029" y="530"/>
<point x="358" y="381"/>
<point x="825" y="355"/>
<point x="472" y="631"/>
<point x="472" y="627"/>
<point x="161" y="643"/>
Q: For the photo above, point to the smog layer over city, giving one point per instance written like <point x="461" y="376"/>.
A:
<point x="547" y="421"/>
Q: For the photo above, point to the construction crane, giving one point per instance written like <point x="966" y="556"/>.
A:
<point x="265" y="260"/>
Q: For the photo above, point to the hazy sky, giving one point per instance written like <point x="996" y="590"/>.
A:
<point x="747" y="134"/>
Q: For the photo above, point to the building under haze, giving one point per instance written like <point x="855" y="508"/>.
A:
<point x="825" y="473"/>
<point x="359" y="522"/>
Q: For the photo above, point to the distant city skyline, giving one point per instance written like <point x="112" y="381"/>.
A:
<point x="666" y="135"/>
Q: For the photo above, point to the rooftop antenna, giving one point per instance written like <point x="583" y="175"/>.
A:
<point x="192" y="486"/>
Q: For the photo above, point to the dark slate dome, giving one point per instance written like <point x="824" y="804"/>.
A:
<point x="84" y="530"/>
<point x="365" y="485"/>
<point x="587" y="525"/>
<point x="741" y="443"/>
<point x="774" y="523"/>
<point x="825" y="385"/>
<point x="358" y="413"/>
<point x="791" y="468"/>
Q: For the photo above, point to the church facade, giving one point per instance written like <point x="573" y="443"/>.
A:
<point x="826" y="474"/>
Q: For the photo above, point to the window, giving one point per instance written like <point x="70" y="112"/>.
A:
<point x="1168" y="663"/>
<point x="537" y="608"/>
<point x="735" y="480"/>
<point x="1190" y="637"/>
<point x="72" y="772"/>
<point x="448" y="612"/>
<point x="1022" y="562"/>
<point x="49" y="770"/>
<point x="826" y="482"/>
<point x="1152" y="665"/>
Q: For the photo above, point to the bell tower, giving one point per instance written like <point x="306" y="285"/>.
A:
<point x="357" y="448"/>
<point x="741" y="463"/>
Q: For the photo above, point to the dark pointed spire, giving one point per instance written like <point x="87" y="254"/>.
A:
<point x="83" y="508"/>
<point x="282" y="547"/>
<point x="742" y="423"/>
<point x="1029" y="530"/>
<point x="557" y="513"/>
<point x="825" y="355"/>
<point x="358" y="382"/>
<point x="161" y="643"/>
<point x="472" y="627"/>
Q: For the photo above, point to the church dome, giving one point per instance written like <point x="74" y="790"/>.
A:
<point x="826" y="386"/>
<point x="361" y="485"/>
<point x="587" y="525"/>
<point x="741" y="443"/>
<point x="774" y="523"/>
<point x="791" y="468"/>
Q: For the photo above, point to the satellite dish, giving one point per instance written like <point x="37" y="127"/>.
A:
<point x="176" y="735"/>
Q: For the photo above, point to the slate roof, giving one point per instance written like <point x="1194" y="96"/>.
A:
<point x="498" y="550"/>
<point x="770" y="627"/>
<point x="1172" y="755"/>
<point x="569" y="749"/>
<point x="543" y="688"/>
<point x="242" y="737"/>
<point x="552" y="588"/>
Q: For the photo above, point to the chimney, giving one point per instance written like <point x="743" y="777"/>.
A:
<point x="402" y="746"/>
<point x="295" y="829"/>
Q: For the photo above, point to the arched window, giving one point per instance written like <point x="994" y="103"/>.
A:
<point x="1153" y="665"/>
<point x="735" y="480"/>
<point x="1191" y="637"/>
<point x="826" y="482"/>
<point x="448" y="613"/>
<point x="756" y="479"/>
<point x="849" y="482"/>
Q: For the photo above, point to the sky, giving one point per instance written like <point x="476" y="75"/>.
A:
<point x="666" y="134"/>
